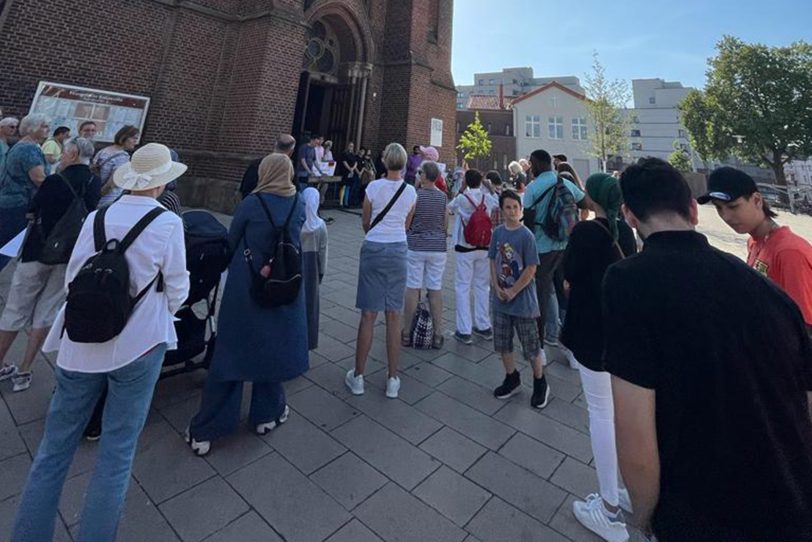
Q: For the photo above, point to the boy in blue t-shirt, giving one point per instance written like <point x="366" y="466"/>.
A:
<point x="514" y="259"/>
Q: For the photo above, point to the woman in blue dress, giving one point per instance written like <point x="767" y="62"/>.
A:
<point x="265" y="346"/>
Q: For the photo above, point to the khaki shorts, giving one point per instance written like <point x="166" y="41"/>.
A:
<point x="37" y="292"/>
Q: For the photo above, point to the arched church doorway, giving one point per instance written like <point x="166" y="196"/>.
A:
<point x="333" y="82"/>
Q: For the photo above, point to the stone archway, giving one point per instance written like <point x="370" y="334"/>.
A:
<point x="335" y="74"/>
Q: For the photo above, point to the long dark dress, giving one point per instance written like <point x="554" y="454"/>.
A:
<point x="314" y="264"/>
<point x="254" y="343"/>
<point x="589" y="254"/>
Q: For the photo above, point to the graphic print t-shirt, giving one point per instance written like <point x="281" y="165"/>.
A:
<point x="512" y="251"/>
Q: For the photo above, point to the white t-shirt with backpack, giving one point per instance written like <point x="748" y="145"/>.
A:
<point x="463" y="210"/>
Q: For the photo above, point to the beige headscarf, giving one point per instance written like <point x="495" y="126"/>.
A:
<point x="276" y="176"/>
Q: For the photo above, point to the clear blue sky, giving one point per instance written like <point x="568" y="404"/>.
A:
<point x="634" y="38"/>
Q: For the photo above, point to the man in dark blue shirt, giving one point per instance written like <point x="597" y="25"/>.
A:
<point x="306" y="163"/>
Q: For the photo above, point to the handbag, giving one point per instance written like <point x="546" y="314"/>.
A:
<point x="386" y="209"/>
<point x="422" y="328"/>
<point x="614" y="241"/>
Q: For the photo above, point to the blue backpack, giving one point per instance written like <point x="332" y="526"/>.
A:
<point x="562" y="212"/>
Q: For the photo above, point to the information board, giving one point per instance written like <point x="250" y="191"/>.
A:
<point x="70" y="106"/>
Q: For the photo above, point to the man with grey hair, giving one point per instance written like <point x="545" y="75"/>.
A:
<point x="37" y="287"/>
<point x="285" y="144"/>
<point x="8" y="129"/>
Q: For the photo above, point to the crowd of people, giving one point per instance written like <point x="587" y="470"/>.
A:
<point x="696" y="367"/>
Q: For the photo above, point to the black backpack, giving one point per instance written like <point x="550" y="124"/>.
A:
<point x="58" y="244"/>
<point x="279" y="279"/>
<point x="99" y="302"/>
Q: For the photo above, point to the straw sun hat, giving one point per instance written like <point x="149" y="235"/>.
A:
<point x="151" y="166"/>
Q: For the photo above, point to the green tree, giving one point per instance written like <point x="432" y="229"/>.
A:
<point x="680" y="159"/>
<point x="606" y="101"/>
<point x="757" y="105"/>
<point x="474" y="142"/>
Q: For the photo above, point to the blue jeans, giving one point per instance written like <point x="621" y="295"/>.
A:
<point x="552" y="323"/>
<point x="130" y="394"/>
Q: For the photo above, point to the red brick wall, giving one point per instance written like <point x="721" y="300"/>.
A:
<point x="223" y="77"/>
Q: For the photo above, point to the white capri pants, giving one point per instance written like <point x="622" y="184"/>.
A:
<point x="425" y="270"/>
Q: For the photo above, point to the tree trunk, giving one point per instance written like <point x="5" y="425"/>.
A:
<point x="778" y="168"/>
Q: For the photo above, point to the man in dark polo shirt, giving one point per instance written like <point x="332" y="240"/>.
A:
<point x="712" y="380"/>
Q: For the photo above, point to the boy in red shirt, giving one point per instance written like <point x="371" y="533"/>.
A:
<point x="772" y="250"/>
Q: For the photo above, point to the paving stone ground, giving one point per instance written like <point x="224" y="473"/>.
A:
<point x="446" y="461"/>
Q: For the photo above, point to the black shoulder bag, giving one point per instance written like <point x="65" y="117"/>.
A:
<point x="386" y="209"/>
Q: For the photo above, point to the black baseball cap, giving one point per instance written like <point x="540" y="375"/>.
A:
<point x="728" y="184"/>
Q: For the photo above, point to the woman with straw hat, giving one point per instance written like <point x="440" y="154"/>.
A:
<point x="265" y="346"/>
<point x="128" y="364"/>
<point x="593" y="246"/>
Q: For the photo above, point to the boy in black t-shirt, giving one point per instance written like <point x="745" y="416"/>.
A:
<point x="712" y="380"/>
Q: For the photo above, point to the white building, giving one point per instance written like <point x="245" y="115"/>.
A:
<point x="554" y="118"/>
<point x="799" y="173"/>
<point x="655" y="120"/>
<point x="513" y="81"/>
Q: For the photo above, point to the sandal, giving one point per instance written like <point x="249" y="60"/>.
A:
<point x="405" y="340"/>
<point x="437" y="341"/>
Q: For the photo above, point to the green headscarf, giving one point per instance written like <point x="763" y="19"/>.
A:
<point x="604" y="190"/>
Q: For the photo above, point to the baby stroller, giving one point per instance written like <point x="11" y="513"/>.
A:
<point x="207" y="256"/>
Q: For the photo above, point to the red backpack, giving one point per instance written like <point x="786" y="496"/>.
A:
<point x="478" y="230"/>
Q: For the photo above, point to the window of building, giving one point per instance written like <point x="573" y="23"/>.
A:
<point x="652" y="100"/>
<point x="554" y="102"/>
<point x="555" y="127"/>
<point x="507" y="129"/>
<point x="682" y="134"/>
<point x="460" y="105"/>
<point x="532" y="126"/>
<point x="637" y="146"/>
<point x="491" y="81"/>
<point x="635" y="119"/>
<point x="481" y="81"/>
<point x="579" y="130"/>
<point x="635" y="133"/>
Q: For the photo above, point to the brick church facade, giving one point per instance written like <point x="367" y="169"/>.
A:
<point x="226" y="76"/>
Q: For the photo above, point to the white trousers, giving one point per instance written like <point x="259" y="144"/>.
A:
<point x="473" y="273"/>
<point x="598" y="393"/>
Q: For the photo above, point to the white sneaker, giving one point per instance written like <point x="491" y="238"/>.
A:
<point x="543" y="354"/>
<point x="624" y="500"/>
<point x="7" y="371"/>
<point x="265" y="428"/>
<point x="392" y="387"/>
<point x="200" y="448"/>
<point x="593" y="515"/>
<point x="570" y="358"/>
<point x="354" y="383"/>
<point x="21" y="381"/>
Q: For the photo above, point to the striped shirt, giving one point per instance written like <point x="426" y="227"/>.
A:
<point x="427" y="233"/>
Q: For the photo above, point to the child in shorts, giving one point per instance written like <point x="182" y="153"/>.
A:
<point x="514" y="302"/>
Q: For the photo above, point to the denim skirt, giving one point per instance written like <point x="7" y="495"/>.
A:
<point x="381" y="277"/>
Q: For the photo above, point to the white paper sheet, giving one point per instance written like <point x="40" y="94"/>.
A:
<point x="12" y="248"/>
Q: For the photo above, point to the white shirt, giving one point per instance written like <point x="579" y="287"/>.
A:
<point x="392" y="229"/>
<point x="160" y="247"/>
<point x="463" y="210"/>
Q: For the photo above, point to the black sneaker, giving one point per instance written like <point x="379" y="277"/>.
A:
<point x="463" y="338"/>
<point x="541" y="393"/>
<point x="93" y="432"/>
<point x="486" y="334"/>
<point x="511" y="385"/>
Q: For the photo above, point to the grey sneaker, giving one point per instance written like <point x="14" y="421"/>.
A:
<point x="21" y="381"/>
<point x="486" y="334"/>
<point x="7" y="371"/>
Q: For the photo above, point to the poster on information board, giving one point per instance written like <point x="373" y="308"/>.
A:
<point x="70" y="106"/>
